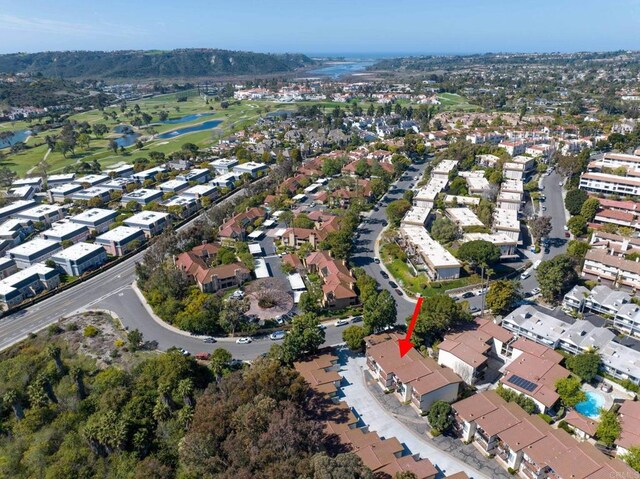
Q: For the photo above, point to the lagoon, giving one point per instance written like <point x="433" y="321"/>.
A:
<point x="339" y="69"/>
<point x="18" y="136"/>
<point x="207" y="125"/>
<point x="185" y="119"/>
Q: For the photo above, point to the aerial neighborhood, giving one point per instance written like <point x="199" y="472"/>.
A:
<point x="228" y="264"/>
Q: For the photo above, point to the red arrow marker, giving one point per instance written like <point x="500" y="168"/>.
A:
<point x="405" y="344"/>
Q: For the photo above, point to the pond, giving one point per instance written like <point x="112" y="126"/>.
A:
<point x="185" y="118"/>
<point x="207" y="125"/>
<point x="128" y="138"/>
<point x="20" y="135"/>
<point x="591" y="407"/>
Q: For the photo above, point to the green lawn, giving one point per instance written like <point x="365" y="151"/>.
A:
<point x="233" y="118"/>
<point x="421" y="284"/>
<point x="455" y="102"/>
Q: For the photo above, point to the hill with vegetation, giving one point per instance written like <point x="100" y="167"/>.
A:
<point x="184" y="63"/>
<point x="84" y="399"/>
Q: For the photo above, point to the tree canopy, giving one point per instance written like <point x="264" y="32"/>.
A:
<point x="585" y="365"/>
<point x="438" y="314"/>
<point x="556" y="277"/>
<point x="503" y="296"/>
<point x="479" y="253"/>
<point x="574" y="200"/>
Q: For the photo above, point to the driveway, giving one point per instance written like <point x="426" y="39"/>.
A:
<point x="449" y="456"/>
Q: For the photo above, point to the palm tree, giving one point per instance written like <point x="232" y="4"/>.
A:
<point x="11" y="397"/>
<point x="78" y="377"/>
<point x="53" y="352"/>
<point x="185" y="389"/>
<point x="164" y="394"/>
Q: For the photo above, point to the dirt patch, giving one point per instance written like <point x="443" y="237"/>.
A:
<point x="268" y="298"/>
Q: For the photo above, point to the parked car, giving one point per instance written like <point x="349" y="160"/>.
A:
<point x="238" y="294"/>
<point x="525" y="275"/>
<point x="474" y="309"/>
<point x="567" y="234"/>
<point x="535" y="291"/>
<point x="245" y="340"/>
<point x="393" y="284"/>
<point x="398" y="292"/>
<point x="203" y="356"/>
<point x="277" y="335"/>
<point x="384" y="275"/>
<point x="468" y="294"/>
<point x="184" y="352"/>
<point x="209" y="340"/>
<point x="342" y="322"/>
<point x="376" y="260"/>
<point x="356" y="319"/>
<point x="322" y="326"/>
<point x="544" y="208"/>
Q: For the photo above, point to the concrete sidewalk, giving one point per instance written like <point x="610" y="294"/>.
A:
<point x="386" y="424"/>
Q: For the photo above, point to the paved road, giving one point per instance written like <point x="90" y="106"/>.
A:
<point x="112" y="290"/>
<point x="370" y="229"/>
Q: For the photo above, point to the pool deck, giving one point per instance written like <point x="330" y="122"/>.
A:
<point x="608" y="397"/>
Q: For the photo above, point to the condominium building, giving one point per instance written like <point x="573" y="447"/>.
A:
<point x="601" y="264"/>
<point x="66" y="231"/>
<point x="413" y="377"/>
<point x="80" y="258"/>
<point x="119" y="241"/>
<point x="528" y="445"/>
<point x="508" y="246"/>
<point x="97" y="220"/>
<point x="32" y="252"/>
<point x="438" y="263"/>
<point x="26" y="283"/>
<point x="142" y="196"/>
<point x="151" y="222"/>
<point x="609" y="184"/>
<point x="15" y="207"/>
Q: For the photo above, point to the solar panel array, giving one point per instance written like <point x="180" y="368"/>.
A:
<point x="522" y="383"/>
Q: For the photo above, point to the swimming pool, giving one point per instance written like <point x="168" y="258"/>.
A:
<point x="591" y="407"/>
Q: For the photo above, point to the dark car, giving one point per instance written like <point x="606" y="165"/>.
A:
<point x="398" y="291"/>
<point x="468" y="294"/>
<point x="384" y="275"/>
<point x="384" y="223"/>
<point x="393" y="284"/>
<point x="376" y="260"/>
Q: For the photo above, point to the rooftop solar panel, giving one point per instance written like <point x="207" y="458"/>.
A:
<point x="522" y="383"/>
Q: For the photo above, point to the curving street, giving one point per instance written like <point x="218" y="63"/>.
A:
<point x="112" y="290"/>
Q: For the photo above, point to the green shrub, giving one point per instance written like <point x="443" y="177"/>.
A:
<point x="546" y="418"/>
<point x="90" y="331"/>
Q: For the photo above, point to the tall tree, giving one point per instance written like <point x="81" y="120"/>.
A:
<point x="438" y="314"/>
<point x="305" y="337"/>
<point x="556" y="276"/>
<point x="379" y="312"/>
<point x="608" y="428"/>
<point x="540" y="227"/>
<point x="503" y="296"/>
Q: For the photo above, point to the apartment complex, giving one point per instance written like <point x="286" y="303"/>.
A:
<point x="438" y="263"/>
<point x="528" y="445"/>
<point x="413" y="378"/>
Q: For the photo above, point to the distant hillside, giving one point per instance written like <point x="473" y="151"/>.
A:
<point x="151" y="63"/>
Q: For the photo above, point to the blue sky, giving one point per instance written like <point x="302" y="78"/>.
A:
<point x="322" y="26"/>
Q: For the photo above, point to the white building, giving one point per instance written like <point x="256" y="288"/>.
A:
<point x="151" y="222"/>
<point x="46" y="214"/>
<point x="35" y="251"/>
<point x="439" y="263"/>
<point x="80" y="258"/>
<point x="96" y="219"/>
<point x="463" y="217"/>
